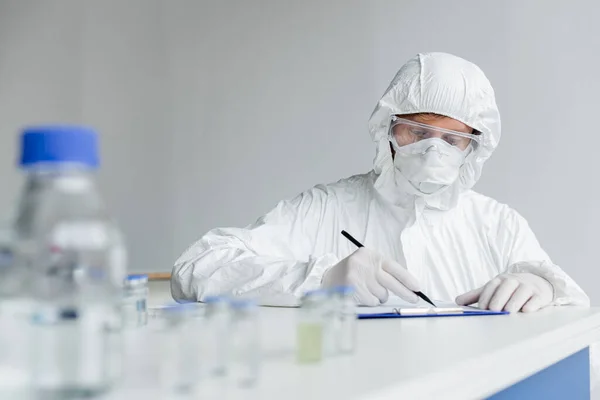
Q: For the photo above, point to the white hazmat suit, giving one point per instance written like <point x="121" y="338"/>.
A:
<point x="451" y="241"/>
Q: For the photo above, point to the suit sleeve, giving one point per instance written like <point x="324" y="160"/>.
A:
<point x="523" y="253"/>
<point x="270" y="260"/>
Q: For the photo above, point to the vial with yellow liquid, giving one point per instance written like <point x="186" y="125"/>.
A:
<point x="310" y="327"/>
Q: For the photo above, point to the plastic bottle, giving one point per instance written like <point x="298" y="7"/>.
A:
<point x="75" y="257"/>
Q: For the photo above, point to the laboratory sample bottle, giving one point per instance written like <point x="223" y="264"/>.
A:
<point x="216" y="334"/>
<point x="74" y="254"/>
<point x="143" y="359"/>
<point x="181" y="356"/>
<point x="244" y="363"/>
<point x="347" y="320"/>
<point x="309" y="329"/>
<point x="331" y="322"/>
<point x="135" y="296"/>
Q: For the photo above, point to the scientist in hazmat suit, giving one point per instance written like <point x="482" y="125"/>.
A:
<point x="423" y="227"/>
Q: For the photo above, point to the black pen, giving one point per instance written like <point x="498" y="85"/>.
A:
<point x="359" y="245"/>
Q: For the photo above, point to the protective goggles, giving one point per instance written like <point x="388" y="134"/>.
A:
<point x="404" y="132"/>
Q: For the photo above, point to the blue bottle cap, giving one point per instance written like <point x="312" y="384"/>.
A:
<point x="137" y="277"/>
<point x="214" y="299"/>
<point x="59" y="144"/>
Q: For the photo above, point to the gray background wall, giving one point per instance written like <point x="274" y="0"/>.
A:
<point x="197" y="102"/>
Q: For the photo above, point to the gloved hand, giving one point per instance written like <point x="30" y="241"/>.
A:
<point x="372" y="276"/>
<point x="511" y="292"/>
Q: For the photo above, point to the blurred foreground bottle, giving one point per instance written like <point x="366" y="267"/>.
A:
<point x="15" y="326"/>
<point x="74" y="257"/>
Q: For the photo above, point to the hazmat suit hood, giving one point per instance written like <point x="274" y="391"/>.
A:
<point x="442" y="84"/>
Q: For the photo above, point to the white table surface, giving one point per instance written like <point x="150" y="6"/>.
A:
<point x="425" y="358"/>
<point x="421" y="358"/>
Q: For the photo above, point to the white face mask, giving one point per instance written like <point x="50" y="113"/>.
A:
<point x="430" y="164"/>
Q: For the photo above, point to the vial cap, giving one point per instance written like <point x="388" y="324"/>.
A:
<point x="137" y="277"/>
<point x="242" y="303"/>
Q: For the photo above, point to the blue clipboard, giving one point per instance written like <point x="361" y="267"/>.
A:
<point x="465" y="313"/>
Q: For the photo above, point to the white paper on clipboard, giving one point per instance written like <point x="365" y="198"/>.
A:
<point x="394" y="304"/>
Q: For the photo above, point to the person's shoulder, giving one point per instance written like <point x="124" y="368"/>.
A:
<point x="354" y="187"/>
<point x="485" y="205"/>
<point x="349" y="184"/>
<point x="333" y="193"/>
<point x="488" y="207"/>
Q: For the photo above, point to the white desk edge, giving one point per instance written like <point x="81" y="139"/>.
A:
<point x="457" y="382"/>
